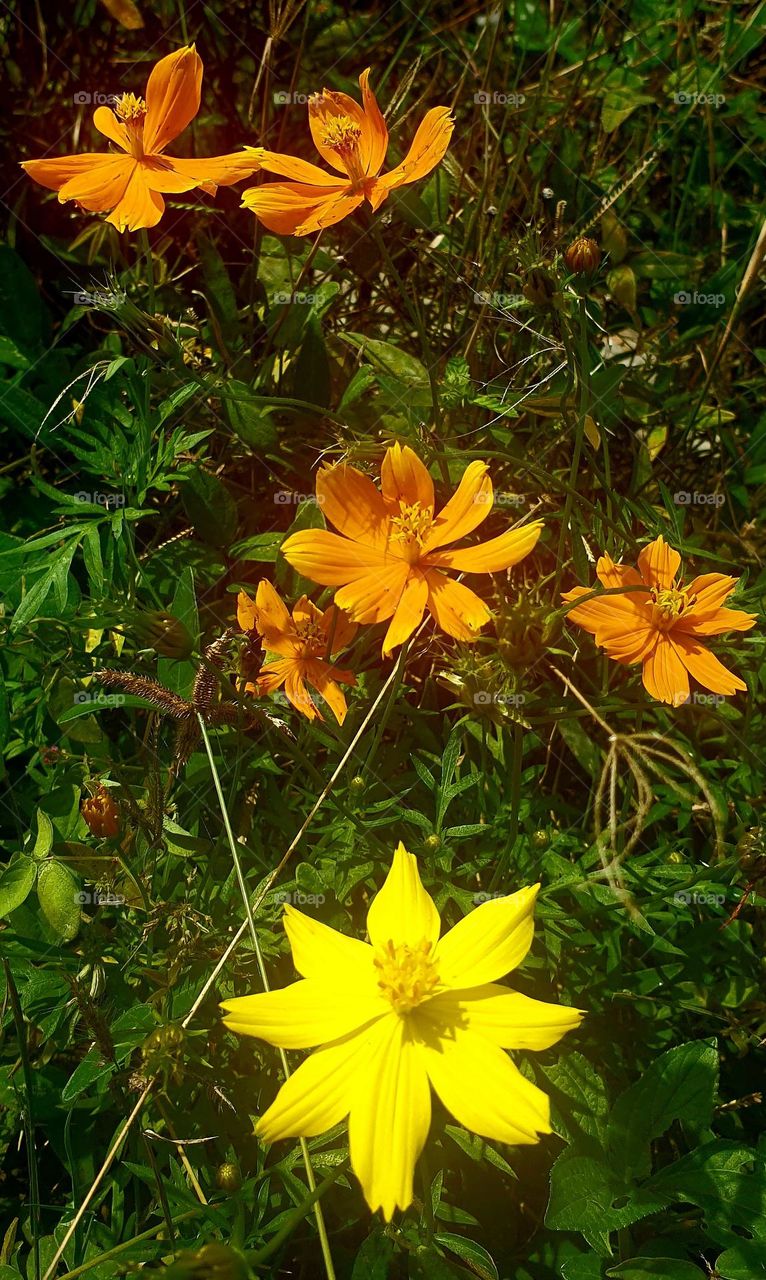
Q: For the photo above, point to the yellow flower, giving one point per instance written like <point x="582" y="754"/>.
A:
<point x="393" y="1018"/>
<point x="389" y="562"/>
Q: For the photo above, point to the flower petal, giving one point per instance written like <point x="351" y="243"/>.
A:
<point x="172" y="97"/>
<point x="350" y="501"/>
<point x="55" y="171"/>
<point x="507" y="1018"/>
<point x="283" y="206"/>
<point x="102" y="186"/>
<point x="329" y="212"/>
<point x="659" y="564"/>
<point x="139" y="207"/>
<point x="483" y="1090"/>
<point x="390" y="1118"/>
<point x="488" y="942"/>
<point x="375" y="596"/>
<point x="107" y="123"/>
<point x="428" y="148"/>
<point x="611" y="575"/>
<point x="322" y="952"/>
<point x="247" y="614"/>
<point x="292" y="167"/>
<point x="297" y="693"/>
<point x="327" y="106"/>
<point x="493" y="556"/>
<point x="705" y="667"/>
<point x="206" y="172"/>
<point x="402" y="911"/>
<point x="305" y="1014"/>
<point x="664" y="674"/>
<point x="318" y="1095"/>
<point x="722" y="620"/>
<point x="320" y="676"/>
<point x="375" y="133"/>
<point x="408" y="612"/>
<point x="271" y="613"/>
<point x="327" y="558"/>
<point x="339" y="629"/>
<point x="404" y="478"/>
<point x="455" y="608"/>
<point x="469" y="505"/>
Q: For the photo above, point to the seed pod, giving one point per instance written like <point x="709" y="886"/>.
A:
<point x="101" y="814"/>
<point x="582" y="256"/>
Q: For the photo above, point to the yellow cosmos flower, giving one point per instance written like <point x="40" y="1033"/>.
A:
<point x="129" y="184"/>
<point x="352" y="140"/>
<point x="389" y="562"/>
<point x="400" y="1015"/>
<point x="659" y="623"/>
<point x="303" y="641"/>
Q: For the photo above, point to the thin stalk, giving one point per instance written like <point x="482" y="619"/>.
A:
<point x="29" y="1116"/>
<point x="145" y="253"/>
<point x="127" y="1244"/>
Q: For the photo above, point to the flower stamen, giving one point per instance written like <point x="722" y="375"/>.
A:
<point x="412" y="525"/>
<point x="668" y="605"/>
<point x="131" y="110"/>
<point x="407" y="974"/>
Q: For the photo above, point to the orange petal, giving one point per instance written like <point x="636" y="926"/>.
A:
<point x="375" y="133"/>
<point x="139" y="207"/>
<point x="705" y="667"/>
<point x="629" y="646"/>
<point x="710" y="590"/>
<point x="327" y="558"/>
<point x="722" y="620"/>
<point x="428" y="148"/>
<point x="326" y="106"/>
<point x="469" y="505"/>
<point x="664" y="674"/>
<point x="272" y="676"/>
<point x="107" y="123"/>
<point x="404" y="478"/>
<point x="319" y="674"/>
<point x="455" y="608"/>
<point x="160" y="174"/>
<point x="103" y="186"/>
<point x="172" y="97"/>
<point x="54" y="172"/>
<point x="246" y="612"/>
<point x="350" y="501"/>
<point x="659" y="564"/>
<point x="292" y="167"/>
<point x="210" y="172"/>
<point x="298" y="694"/>
<point x="329" y="212"/>
<point x="490" y="557"/>
<point x="374" y="597"/>
<point x="408" y="613"/>
<point x="339" y="628"/>
<point x="271" y="612"/>
<point x="610" y="575"/>
<point x="283" y="206"/>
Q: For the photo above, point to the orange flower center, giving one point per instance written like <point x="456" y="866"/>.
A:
<point x="131" y="110"/>
<point x="312" y="635"/>
<point x="411" y="527"/>
<point x="406" y="975"/>
<point x="342" y="135"/>
<point x="668" y="603"/>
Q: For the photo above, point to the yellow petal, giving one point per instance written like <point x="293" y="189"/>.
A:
<point x="402" y="911"/>
<point x="350" y="501"/>
<point x="659" y="564"/>
<point x="55" y="171"/>
<point x="322" y="952"/>
<point x="374" y="596"/>
<point x="404" y="478"/>
<point x="300" y="171"/>
<point x="493" y="556"/>
<point x="283" y="206"/>
<point x="389" y="1121"/>
<point x="488" y="942"/>
<point x="705" y="667"/>
<point x="172" y="97"/>
<point x="408" y="613"/>
<point x="311" y="1012"/>
<point x="428" y="147"/>
<point x="247" y="614"/>
<point x="455" y="608"/>
<point x="327" y="558"/>
<point x="329" y="212"/>
<point x="507" y="1018"/>
<point x="320" y="676"/>
<point x="107" y="123"/>
<point x="139" y="206"/>
<point x="483" y="1090"/>
<point x="469" y="505"/>
<point x="102" y="186"/>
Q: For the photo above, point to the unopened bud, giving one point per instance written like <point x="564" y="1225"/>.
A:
<point x="582" y="256"/>
<point x="101" y="814"/>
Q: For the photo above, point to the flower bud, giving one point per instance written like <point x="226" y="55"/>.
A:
<point x="101" y="814"/>
<point x="432" y="843"/>
<point x="582" y="256"/>
<point x="228" y="1177"/>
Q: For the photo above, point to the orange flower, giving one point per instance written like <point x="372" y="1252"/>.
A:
<point x="304" y="642"/>
<point x="353" y="140"/>
<point x="129" y="185"/>
<point x="388" y="562"/>
<point x="660" y="623"/>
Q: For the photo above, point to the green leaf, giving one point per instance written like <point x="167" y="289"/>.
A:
<point x="44" y="841"/>
<point x="477" y="1258"/>
<point x="248" y="418"/>
<point x="745" y="1261"/>
<point x="587" y="1196"/>
<point x="16" y="883"/>
<point x="210" y="507"/>
<point x="373" y="1261"/>
<point x="386" y="358"/>
<point x="656" y="1269"/>
<point x="57" y="890"/>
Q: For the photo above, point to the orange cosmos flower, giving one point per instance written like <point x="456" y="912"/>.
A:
<point x="388" y="561"/>
<point x="353" y="140"/>
<point x="660" y="623"/>
<point x="304" y="643"/>
<point x="129" y="185"/>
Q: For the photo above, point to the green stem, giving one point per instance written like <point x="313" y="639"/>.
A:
<point x="128" y="1244"/>
<point x="29" y="1116"/>
<point x="296" y="1217"/>
<point x="389" y="706"/>
<point x="321" y="1228"/>
<point x="507" y="854"/>
<point x="145" y="253"/>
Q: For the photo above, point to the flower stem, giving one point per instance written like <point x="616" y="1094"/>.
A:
<point x="145" y="253"/>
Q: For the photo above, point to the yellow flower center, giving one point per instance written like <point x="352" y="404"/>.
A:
<point x="131" y="110"/>
<point x="411" y="527"/>
<point x="312" y="634"/>
<point x="406" y="975"/>
<point x="668" y="605"/>
<point x="341" y="134"/>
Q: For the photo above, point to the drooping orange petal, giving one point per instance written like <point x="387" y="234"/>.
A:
<point x="664" y="674"/>
<point x="339" y="628"/>
<point x="374" y="597"/>
<point x="454" y="607"/>
<point x="139" y="206"/>
<point x="55" y="171"/>
<point x="705" y="667"/>
<point x="330" y="211"/>
<point x="710" y="590"/>
<point x="409" y="611"/>
<point x="297" y="170"/>
<point x="272" y="677"/>
<point x="172" y="97"/>
<point x="298" y="694"/>
<point x="107" y="123"/>
<point x="658" y="564"/>
<point x="327" y="558"/>
<point x="375" y="133"/>
<point x="469" y="505"/>
<point x="428" y="148"/>
<point x="493" y="556"/>
<point x="320" y="676"/>
<point x="350" y="501"/>
<point x="404" y="478"/>
<point x="102" y="186"/>
<point x="283" y="206"/>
